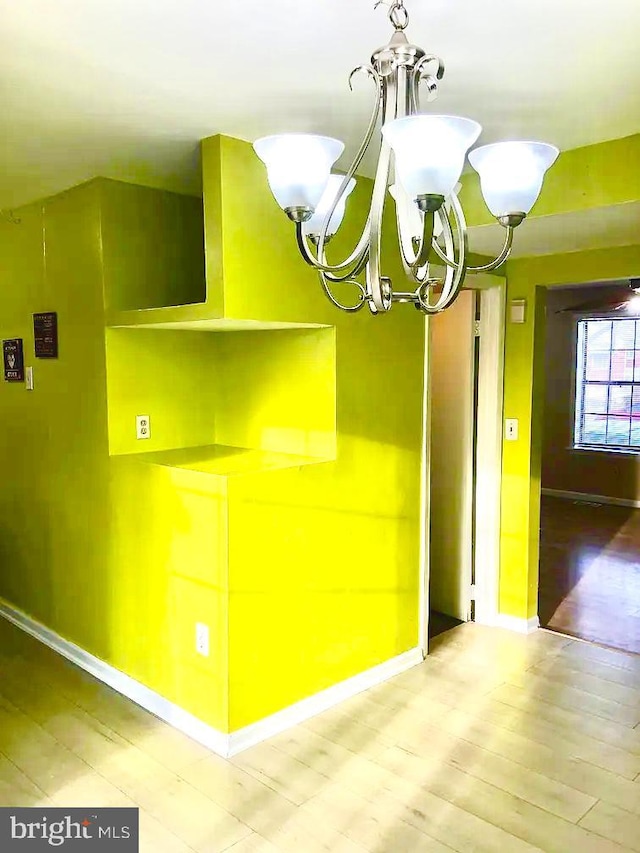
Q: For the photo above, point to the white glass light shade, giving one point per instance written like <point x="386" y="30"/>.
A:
<point x="313" y="227"/>
<point x="430" y="151"/>
<point x="409" y="215"/>
<point x="298" y="166"/>
<point x="511" y="174"/>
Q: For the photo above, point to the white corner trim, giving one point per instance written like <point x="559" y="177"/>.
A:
<point x="598" y="499"/>
<point x="223" y="744"/>
<point x="307" y="708"/>
<point x="515" y="623"/>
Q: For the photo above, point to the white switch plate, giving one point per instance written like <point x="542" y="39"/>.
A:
<point x="518" y="310"/>
<point x="202" y="639"/>
<point x="511" y="429"/>
<point x="143" y="426"/>
<point x="28" y="378"/>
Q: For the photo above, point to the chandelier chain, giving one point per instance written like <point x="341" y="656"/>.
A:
<point x="398" y="15"/>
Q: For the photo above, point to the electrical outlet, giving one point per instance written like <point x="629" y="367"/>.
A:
<point x="143" y="426"/>
<point x="28" y="378"/>
<point x="511" y="429"/>
<point x="202" y="639"/>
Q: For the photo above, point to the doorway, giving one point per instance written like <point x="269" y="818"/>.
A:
<point x="589" y="579"/>
<point x="464" y="454"/>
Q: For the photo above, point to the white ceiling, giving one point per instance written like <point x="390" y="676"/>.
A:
<point x="596" y="228"/>
<point x="127" y="88"/>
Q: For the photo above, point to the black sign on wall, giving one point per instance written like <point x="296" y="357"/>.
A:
<point x="13" y="360"/>
<point x="45" y="334"/>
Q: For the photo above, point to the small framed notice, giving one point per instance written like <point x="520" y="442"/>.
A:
<point x="13" y="360"/>
<point x="45" y="334"/>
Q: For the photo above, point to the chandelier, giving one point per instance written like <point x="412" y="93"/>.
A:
<point x="421" y="157"/>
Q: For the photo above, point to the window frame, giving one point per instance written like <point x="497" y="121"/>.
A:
<point x="577" y="394"/>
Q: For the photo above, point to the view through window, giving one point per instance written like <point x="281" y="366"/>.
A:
<point x="607" y="411"/>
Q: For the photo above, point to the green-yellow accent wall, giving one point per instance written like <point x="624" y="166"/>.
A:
<point x="528" y="278"/>
<point x="278" y="498"/>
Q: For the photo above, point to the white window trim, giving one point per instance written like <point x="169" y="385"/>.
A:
<point x="580" y="447"/>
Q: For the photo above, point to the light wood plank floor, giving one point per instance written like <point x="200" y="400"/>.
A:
<point x="498" y="743"/>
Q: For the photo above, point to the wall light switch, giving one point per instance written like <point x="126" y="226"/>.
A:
<point x="143" y="426"/>
<point x="511" y="429"/>
<point x="28" y="378"/>
<point x="518" y="310"/>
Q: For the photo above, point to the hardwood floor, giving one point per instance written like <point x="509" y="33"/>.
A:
<point x="497" y="743"/>
<point x="590" y="572"/>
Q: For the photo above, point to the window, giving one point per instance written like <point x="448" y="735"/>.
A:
<point x="607" y="412"/>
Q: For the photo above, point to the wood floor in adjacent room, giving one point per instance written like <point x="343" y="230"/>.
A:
<point x="590" y="571"/>
<point x="498" y="742"/>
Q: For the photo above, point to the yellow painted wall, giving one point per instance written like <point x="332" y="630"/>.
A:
<point x="140" y="270"/>
<point x="326" y="584"/>
<point x="277" y="390"/>
<point x="319" y="567"/>
<point x="277" y="500"/>
<point x="162" y="374"/>
<point x="72" y="553"/>
<point x="55" y="474"/>
<point x="527" y="279"/>
<point x="592" y="177"/>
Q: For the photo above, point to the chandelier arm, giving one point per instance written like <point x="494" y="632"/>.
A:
<point x="445" y="260"/>
<point x="351" y="274"/>
<point x="448" y="255"/>
<point x="456" y="280"/>
<point x="408" y="253"/>
<point x="379" y="295"/>
<point x="420" y="75"/>
<point x="426" y="241"/>
<point x="416" y="260"/>
<point x="492" y="265"/>
<point x="407" y="296"/>
<point x="501" y="258"/>
<point x="421" y="274"/>
<point x="455" y="273"/>
<point x="350" y="308"/>
<point x="394" y="97"/>
<point x="370" y="71"/>
<point x="354" y="260"/>
<point x="336" y="279"/>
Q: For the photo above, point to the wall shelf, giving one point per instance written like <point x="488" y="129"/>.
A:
<point x="223" y="461"/>
<point x="195" y="318"/>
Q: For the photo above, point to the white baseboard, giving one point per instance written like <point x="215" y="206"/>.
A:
<point x="223" y="744"/>
<point x="598" y="499"/>
<point x="307" y="708"/>
<point x="148" y="699"/>
<point x="515" y="623"/>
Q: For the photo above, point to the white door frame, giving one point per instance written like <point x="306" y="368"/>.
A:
<point x="489" y="462"/>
